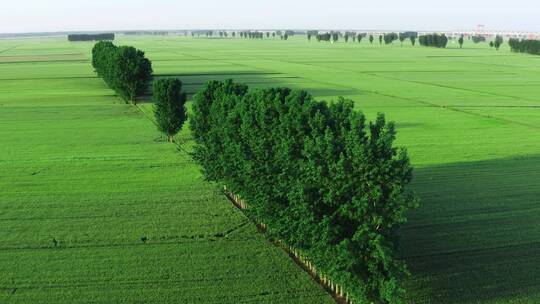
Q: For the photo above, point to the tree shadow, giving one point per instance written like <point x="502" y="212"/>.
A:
<point x="193" y="82"/>
<point x="476" y="235"/>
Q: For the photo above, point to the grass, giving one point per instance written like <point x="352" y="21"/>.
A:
<point x="134" y="220"/>
<point x="79" y="166"/>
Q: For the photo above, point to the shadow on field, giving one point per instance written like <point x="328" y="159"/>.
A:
<point x="476" y="235"/>
<point x="193" y="82"/>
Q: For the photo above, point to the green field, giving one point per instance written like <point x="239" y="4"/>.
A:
<point x="79" y="166"/>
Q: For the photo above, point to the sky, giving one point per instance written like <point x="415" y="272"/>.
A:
<point x="19" y="16"/>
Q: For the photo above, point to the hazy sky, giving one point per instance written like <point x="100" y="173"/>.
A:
<point x="73" y="15"/>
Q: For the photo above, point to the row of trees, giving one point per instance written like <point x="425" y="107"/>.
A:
<point x="329" y="37"/>
<point x="125" y="69"/>
<point x="253" y="34"/>
<point x="243" y="34"/>
<point x="91" y="37"/>
<point x="525" y="46"/>
<point x="321" y="178"/>
<point x="128" y="72"/>
<point x="433" y="40"/>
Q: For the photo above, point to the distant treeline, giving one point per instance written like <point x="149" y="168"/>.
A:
<point x="433" y="40"/>
<point x="157" y="33"/>
<point x="91" y="37"/>
<point x="388" y="38"/>
<point x="252" y="34"/>
<point x="525" y="46"/>
<point x="244" y="34"/>
<point x="124" y="69"/>
<point x="319" y="176"/>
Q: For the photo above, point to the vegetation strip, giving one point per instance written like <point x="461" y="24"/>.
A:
<point x="323" y="181"/>
<point x="334" y="290"/>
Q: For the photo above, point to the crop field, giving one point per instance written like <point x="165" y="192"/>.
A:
<point x="136" y="223"/>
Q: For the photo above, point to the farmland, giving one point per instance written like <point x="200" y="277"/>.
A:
<point x="79" y="166"/>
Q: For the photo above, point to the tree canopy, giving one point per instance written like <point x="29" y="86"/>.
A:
<point x="525" y="46"/>
<point x="321" y="178"/>
<point x="125" y="69"/>
<point x="169" y="106"/>
<point x="91" y="37"/>
<point x="433" y="40"/>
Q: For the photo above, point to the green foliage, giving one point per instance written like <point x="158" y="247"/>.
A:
<point x="478" y="38"/>
<point x="124" y="69"/>
<point x="169" y="106"/>
<point x="91" y="37"/>
<point x="323" y="180"/>
<point x="460" y="41"/>
<point x="525" y="46"/>
<point x="433" y="40"/>
<point x="371" y="39"/>
<point x="498" y="42"/>
<point x="390" y="37"/>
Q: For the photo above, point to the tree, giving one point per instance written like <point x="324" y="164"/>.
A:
<point x="413" y="40"/>
<point x="491" y="44"/>
<point x="132" y="72"/>
<point x="380" y="39"/>
<point x="498" y="42"/>
<point x="371" y="39"/>
<point x="335" y="36"/>
<point x="402" y="38"/>
<point x="460" y="41"/>
<point x="478" y="38"/>
<point x="390" y="38"/>
<point x="169" y="106"/>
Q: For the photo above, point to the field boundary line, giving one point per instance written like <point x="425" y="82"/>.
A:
<point x="335" y="290"/>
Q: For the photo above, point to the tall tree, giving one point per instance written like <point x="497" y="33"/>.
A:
<point x="132" y="72"/>
<point x="335" y="36"/>
<point x="371" y="39"/>
<point x="402" y="38"/>
<point x="169" y="106"/>
<point x="460" y="41"/>
<point x="498" y="42"/>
